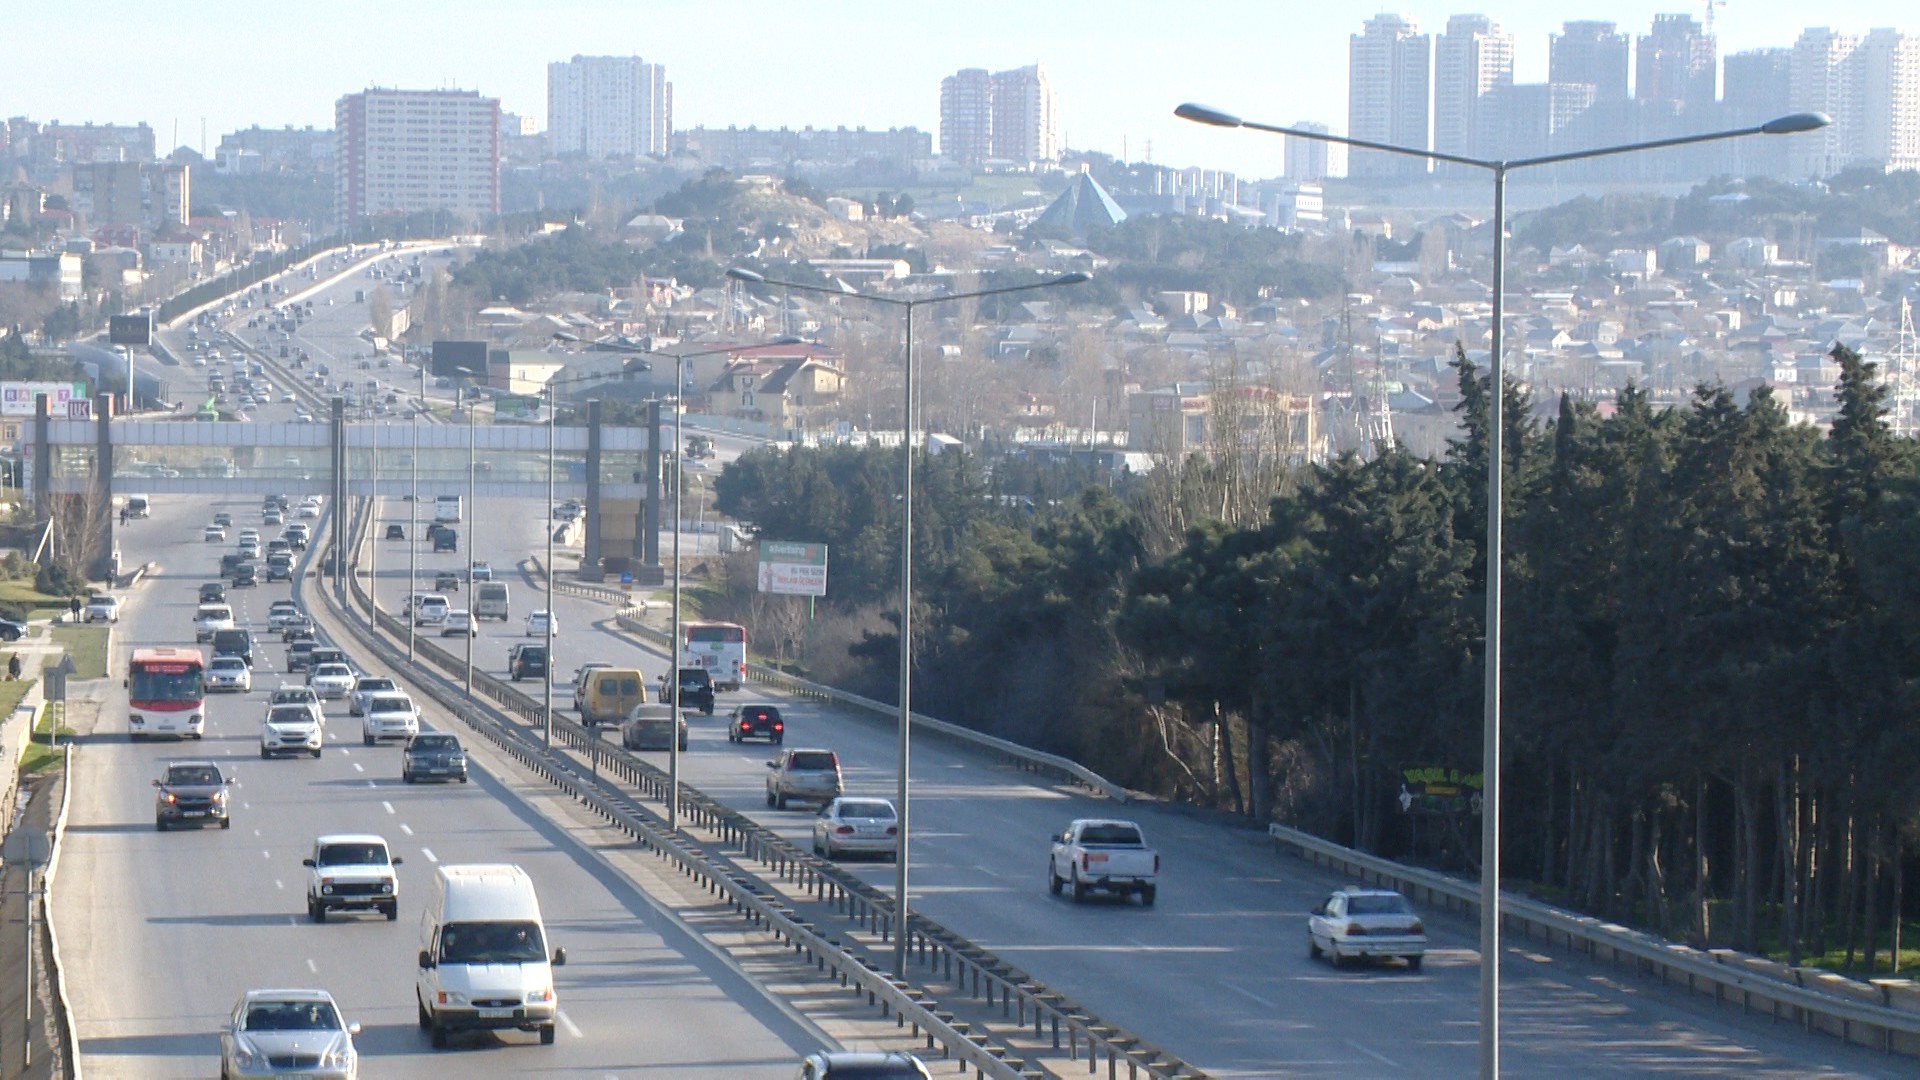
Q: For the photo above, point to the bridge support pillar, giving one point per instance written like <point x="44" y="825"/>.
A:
<point x="590" y="562"/>
<point x="650" y="513"/>
<point x="42" y="459"/>
<point x="106" y="559"/>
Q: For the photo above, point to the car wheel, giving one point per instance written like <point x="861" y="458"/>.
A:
<point x="1413" y="963"/>
<point x="315" y="912"/>
<point x="1079" y="890"/>
<point x="1147" y="896"/>
<point x="159" y="824"/>
<point x="265" y="753"/>
<point x="439" y="1034"/>
<point x="1053" y="879"/>
<point x="463" y="778"/>
<point x="1333" y="954"/>
<point x="392" y="911"/>
<point x="546" y="1035"/>
<point x="769" y="798"/>
<point x="367" y="739"/>
<point x="780" y="801"/>
<point x="406" y="776"/>
<point x="1313" y="947"/>
<point x="778" y="739"/>
<point x="226" y="823"/>
<point x="420" y="1009"/>
<point x="316" y="751"/>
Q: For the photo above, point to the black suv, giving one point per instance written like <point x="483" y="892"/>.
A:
<point x="234" y="643"/>
<point x="246" y="575"/>
<point x="527" y="662"/>
<point x="213" y="592"/>
<point x="696" y="690"/>
<point x="757" y="722"/>
<point x="445" y="539"/>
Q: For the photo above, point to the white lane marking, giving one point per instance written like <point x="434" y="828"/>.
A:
<point x="256" y="832"/>
<point x="405" y="828"/>
<point x="358" y="768"/>
<point x="313" y="967"/>
<point x="428" y="852"/>
<point x="1246" y="993"/>
<point x="265" y="854"/>
<point x="278" y="884"/>
<point x="1375" y="1055"/>
<point x="370" y="783"/>
<point x="387" y="806"/>
<point x="567" y="1022"/>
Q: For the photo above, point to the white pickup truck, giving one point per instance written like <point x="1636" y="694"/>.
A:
<point x="1098" y="853"/>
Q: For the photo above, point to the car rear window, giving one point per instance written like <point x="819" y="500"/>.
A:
<point x="1110" y="834"/>
<point x="813" y="759"/>
<point x="1377" y="904"/>
<point x="866" y="808"/>
<point x="761" y="712"/>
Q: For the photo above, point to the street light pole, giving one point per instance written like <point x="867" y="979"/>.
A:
<point x="1490" y="736"/>
<point x="553" y="403"/>
<point x="903" y="787"/>
<point x="373" y="549"/>
<point x="413" y="537"/>
<point x="673" y="666"/>
<point x="473" y="508"/>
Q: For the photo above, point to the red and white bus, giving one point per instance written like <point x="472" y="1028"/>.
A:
<point x="720" y="647"/>
<point x="166" y="693"/>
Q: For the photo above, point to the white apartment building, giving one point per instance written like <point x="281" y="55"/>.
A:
<point x="1387" y="81"/>
<point x="1005" y="116"/>
<point x="1470" y="59"/>
<point x="1818" y="82"/>
<point x="1885" y="118"/>
<point x="405" y="151"/>
<point x="609" y="106"/>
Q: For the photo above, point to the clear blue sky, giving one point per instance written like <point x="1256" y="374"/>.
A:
<point x="1118" y="67"/>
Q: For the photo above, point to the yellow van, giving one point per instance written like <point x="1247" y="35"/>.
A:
<point x="610" y="694"/>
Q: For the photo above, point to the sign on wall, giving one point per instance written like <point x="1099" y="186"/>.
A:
<point x="16" y="398"/>
<point x="793" y="569"/>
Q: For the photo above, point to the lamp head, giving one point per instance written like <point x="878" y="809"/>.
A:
<point x="741" y="273"/>
<point x="1074" y="278"/>
<point x="1200" y="114"/>
<point x="1795" y="123"/>
<point x="562" y="335"/>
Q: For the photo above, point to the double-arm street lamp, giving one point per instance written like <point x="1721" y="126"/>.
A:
<point x="1496" y="430"/>
<point x="672" y="682"/>
<point x="906" y="551"/>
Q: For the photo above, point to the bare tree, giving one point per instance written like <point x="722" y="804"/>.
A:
<point x="380" y="312"/>
<point x="79" y="525"/>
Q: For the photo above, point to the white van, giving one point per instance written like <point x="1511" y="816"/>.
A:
<point x="483" y="960"/>
<point x="490" y="600"/>
<point x="446" y="508"/>
<point x="139" y="506"/>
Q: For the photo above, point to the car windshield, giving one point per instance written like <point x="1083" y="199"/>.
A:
<point x="1377" y="904"/>
<point x="292" y="1016"/>
<point x="290" y="714"/>
<point x="193" y="775"/>
<point x="333" y="671"/>
<point x="353" y="855"/>
<point x="492" y="943"/>
<point x="229" y="663"/>
<point x="866" y="808"/>
<point x="389" y="704"/>
<point x="436" y="743"/>
<point x="1110" y="834"/>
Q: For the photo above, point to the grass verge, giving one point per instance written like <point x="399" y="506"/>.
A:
<point x="88" y="647"/>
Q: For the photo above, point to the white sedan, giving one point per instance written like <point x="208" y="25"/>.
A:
<point x="537" y="624"/>
<point x="331" y="681"/>
<point x="1375" y="923"/>
<point x="459" y="621"/>
<point x="229" y="673"/>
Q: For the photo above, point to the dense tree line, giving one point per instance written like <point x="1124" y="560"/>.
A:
<point x="1712" y="644"/>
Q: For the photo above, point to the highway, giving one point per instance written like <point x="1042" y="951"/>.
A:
<point x="1217" y="972"/>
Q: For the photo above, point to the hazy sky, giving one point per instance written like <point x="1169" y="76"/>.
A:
<point x="1118" y="67"/>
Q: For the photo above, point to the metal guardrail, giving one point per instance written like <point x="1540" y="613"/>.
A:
<point x="1722" y="974"/>
<point x="1051" y="1017"/>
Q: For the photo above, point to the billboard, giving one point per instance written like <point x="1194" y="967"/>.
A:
<point x="793" y="569"/>
<point x="16" y="398"/>
<point x="460" y="359"/>
<point x="129" y="329"/>
<point x="516" y="408"/>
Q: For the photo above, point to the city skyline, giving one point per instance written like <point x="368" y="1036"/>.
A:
<point x="733" y="62"/>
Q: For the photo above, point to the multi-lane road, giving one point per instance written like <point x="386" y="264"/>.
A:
<point x="171" y="926"/>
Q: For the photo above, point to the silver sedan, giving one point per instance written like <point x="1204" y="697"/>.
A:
<point x="852" y="825"/>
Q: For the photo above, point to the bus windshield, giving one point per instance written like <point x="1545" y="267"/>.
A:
<point x="153" y="685"/>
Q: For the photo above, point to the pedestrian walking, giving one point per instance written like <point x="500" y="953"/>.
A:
<point x="13" y="667"/>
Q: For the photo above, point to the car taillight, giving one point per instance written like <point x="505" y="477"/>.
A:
<point x="893" y="830"/>
<point x="1418" y="927"/>
<point x="1086" y="861"/>
<point x="844" y="830"/>
<point x="778" y="726"/>
<point x="1354" y="929"/>
<point x="1156" y="863"/>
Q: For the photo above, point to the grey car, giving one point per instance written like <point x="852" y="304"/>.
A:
<point x="433" y="755"/>
<point x="288" y="1032"/>
<point x="191" y="793"/>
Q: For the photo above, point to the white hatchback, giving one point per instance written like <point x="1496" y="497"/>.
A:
<point x="537" y="624"/>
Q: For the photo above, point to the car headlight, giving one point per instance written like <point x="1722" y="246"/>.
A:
<point x="339" y="1056"/>
<point x="540" y="997"/>
<point x="220" y="796"/>
<point x="450" y="997"/>
<point x="244" y="1053"/>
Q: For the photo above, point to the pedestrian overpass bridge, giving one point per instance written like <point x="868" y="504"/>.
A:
<point x="612" y="470"/>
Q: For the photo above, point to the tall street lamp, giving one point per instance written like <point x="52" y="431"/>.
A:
<point x="1496" y="424"/>
<point x="679" y="476"/>
<point x="903" y="789"/>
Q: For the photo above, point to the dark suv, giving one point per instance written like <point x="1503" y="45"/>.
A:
<point x="527" y="662"/>
<point x="757" y="722"/>
<point x="234" y="643"/>
<point x="696" y="690"/>
<point x="191" y="793"/>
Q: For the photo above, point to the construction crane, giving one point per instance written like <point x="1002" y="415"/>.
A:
<point x="1903" y="377"/>
<point x="1708" y="21"/>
